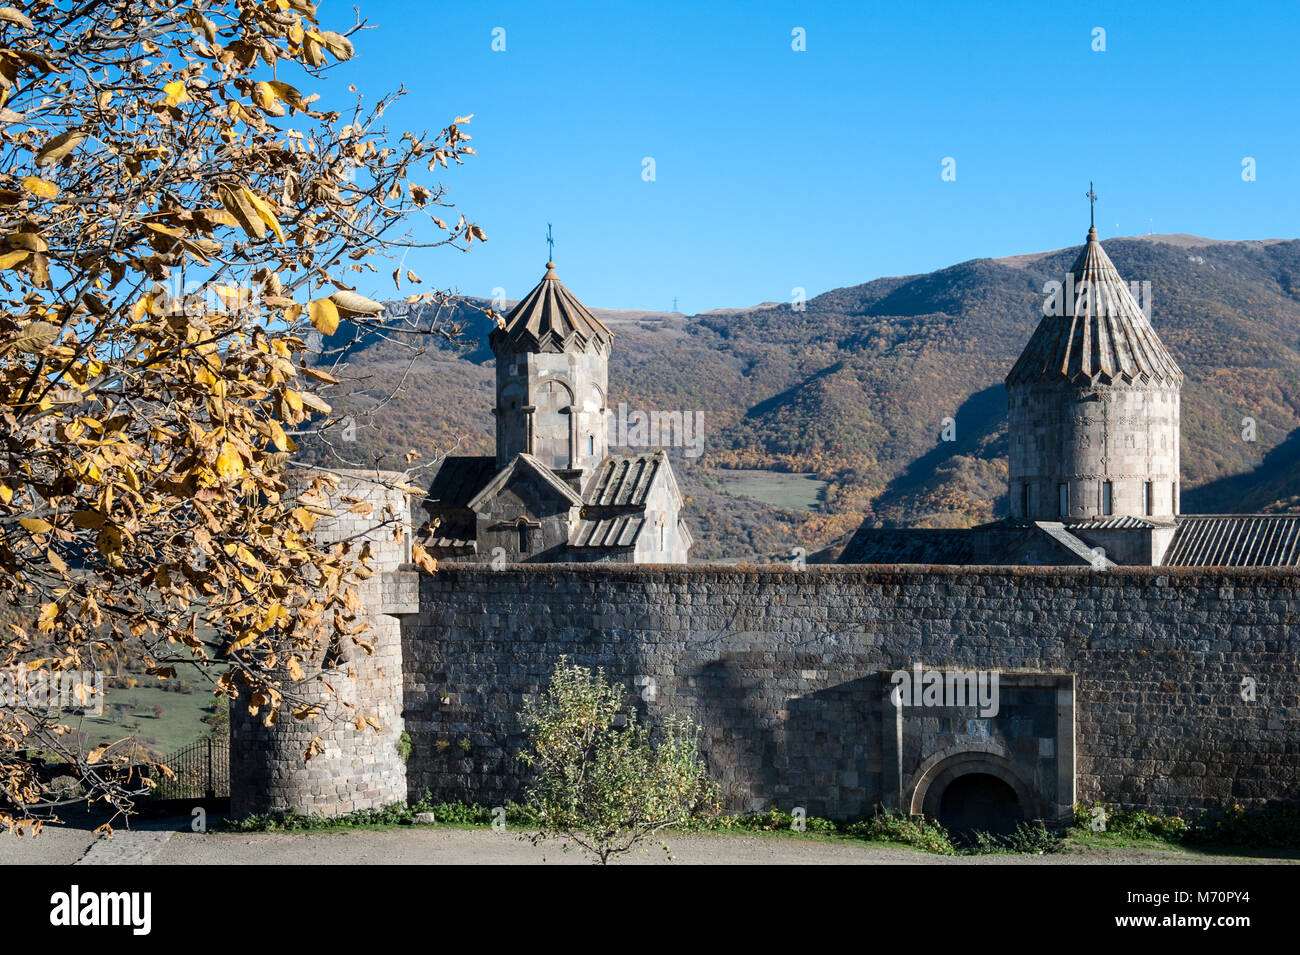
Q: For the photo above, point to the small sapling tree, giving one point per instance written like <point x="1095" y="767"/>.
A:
<point x="604" y="781"/>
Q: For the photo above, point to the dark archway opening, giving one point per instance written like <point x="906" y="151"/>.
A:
<point x="979" y="802"/>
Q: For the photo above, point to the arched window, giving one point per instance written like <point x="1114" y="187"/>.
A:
<point x="552" y="441"/>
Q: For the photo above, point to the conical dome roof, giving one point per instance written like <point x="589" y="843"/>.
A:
<point x="550" y="318"/>
<point x="1103" y="337"/>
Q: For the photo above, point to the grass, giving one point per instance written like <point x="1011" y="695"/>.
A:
<point x="129" y="712"/>
<point x="1270" y="833"/>
<point x="790" y="492"/>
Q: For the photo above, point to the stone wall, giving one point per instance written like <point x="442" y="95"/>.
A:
<point x="357" y="769"/>
<point x="788" y="674"/>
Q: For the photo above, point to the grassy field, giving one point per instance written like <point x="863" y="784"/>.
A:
<point x="790" y="492"/>
<point x="130" y="712"/>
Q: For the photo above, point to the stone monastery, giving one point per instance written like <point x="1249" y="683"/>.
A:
<point x="1122" y="652"/>
<point x="554" y="492"/>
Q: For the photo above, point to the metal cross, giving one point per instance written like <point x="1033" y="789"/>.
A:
<point x="550" y="244"/>
<point x="1092" y="203"/>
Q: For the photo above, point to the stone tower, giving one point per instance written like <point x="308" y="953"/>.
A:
<point x="552" y="369"/>
<point x="357" y="769"/>
<point x="1093" y="406"/>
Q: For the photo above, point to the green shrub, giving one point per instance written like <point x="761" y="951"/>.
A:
<point x="602" y="781"/>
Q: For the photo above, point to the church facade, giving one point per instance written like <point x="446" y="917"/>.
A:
<point x="1093" y="454"/>
<point x="555" y="492"/>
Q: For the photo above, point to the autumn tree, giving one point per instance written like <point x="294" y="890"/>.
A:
<point x="179" y="211"/>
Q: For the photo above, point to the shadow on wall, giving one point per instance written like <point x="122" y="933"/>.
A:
<point x="768" y="749"/>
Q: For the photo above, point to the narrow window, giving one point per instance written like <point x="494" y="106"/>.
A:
<point x="1106" y="507"/>
<point x="662" y="538"/>
<point x="591" y="444"/>
<point x="1063" y="496"/>
<point x="1146" y="498"/>
<point x="523" y="538"/>
<point x="1024" y="500"/>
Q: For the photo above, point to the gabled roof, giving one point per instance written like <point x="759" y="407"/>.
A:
<point x="1235" y="540"/>
<point x="549" y="318"/>
<point x="1104" y="337"/>
<point x="623" y="480"/>
<point x="616" y="494"/>
<point x="528" y="462"/>
<point x="458" y="479"/>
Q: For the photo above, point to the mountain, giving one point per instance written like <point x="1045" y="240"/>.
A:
<point x="856" y="387"/>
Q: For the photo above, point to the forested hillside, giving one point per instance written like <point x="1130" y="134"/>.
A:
<point x="856" y="387"/>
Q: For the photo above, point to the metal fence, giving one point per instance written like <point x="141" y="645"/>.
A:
<point x="202" y="771"/>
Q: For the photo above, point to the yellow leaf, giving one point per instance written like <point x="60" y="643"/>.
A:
<point x="304" y="517"/>
<point x="96" y="754"/>
<point x="337" y="44"/>
<point x="17" y="257"/>
<point x="176" y="93"/>
<point x="355" y="304"/>
<point x="6" y="494"/>
<point x="27" y="240"/>
<point x="265" y="96"/>
<point x="36" y="525"/>
<point x="35" y="337"/>
<point x="60" y="146"/>
<point x="423" y="560"/>
<point x="295" y="669"/>
<point x="10" y="15"/>
<point x="46" y="190"/>
<point x="273" y="613"/>
<point x="88" y="519"/>
<point x="109" y="542"/>
<point x="236" y="203"/>
<point x="324" y="315"/>
<point x="264" y="212"/>
<point x="229" y="463"/>
<point x="314" y="403"/>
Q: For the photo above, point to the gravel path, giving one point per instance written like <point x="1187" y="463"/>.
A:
<point x="171" y="842"/>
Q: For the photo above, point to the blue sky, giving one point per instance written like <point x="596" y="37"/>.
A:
<point x="822" y="168"/>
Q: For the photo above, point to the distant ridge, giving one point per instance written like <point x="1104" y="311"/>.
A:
<point x="856" y="388"/>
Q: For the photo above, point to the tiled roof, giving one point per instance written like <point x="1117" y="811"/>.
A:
<point x="620" y="530"/>
<point x="623" y="480"/>
<point x="549" y="318"/>
<point x="909" y="545"/>
<point x="1110" y="523"/>
<point x="1235" y="540"/>
<point x="1106" y="338"/>
<point x="458" y="479"/>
